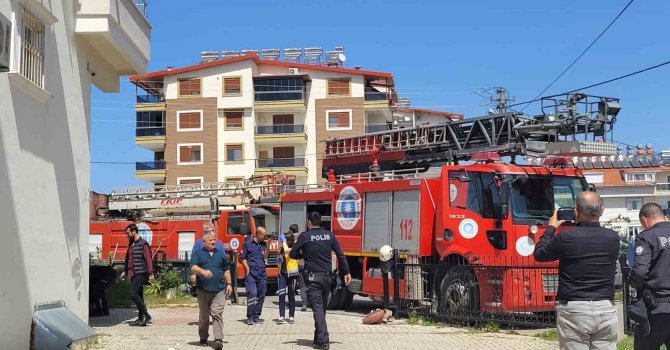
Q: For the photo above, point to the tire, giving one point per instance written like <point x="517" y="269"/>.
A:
<point x="348" y="299"/>
<point x="457" y="292"/>
<point x="337" y="299"/>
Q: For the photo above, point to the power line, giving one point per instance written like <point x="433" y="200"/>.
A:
<point x="598" y="84"/>
<point x="581" y="54"/>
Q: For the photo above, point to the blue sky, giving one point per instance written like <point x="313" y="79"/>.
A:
<point x="438" y="51"/>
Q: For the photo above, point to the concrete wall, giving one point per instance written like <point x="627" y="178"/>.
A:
<point x="44" y="169"/>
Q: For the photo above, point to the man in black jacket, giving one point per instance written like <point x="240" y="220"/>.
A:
<point x="587" y="255"/>
<point x="650" y="275"/>
<point x="315" y="247"/>
<point x="139" y="269"/>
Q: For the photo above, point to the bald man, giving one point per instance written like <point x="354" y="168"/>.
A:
<point x="650" y="275"/>
<point x="587" y="256"/>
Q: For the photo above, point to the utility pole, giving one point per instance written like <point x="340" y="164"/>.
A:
<point x="502" y="100"/>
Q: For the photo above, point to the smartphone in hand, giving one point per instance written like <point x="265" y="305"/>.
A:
<point x="566" y="214"/>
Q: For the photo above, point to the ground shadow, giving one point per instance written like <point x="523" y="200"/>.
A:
<point x="115" y="317"/>
<point x="209" y="343"/>
<point x="306" y="342"/>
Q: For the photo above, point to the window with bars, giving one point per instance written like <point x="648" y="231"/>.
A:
<point x="232" y="86"/>
<point x="232" y="119"/>
<point x="338" y="87"/>
<point x="189" y="154"/>
<point x="190" y="87"/>
<point x="189" y="121"/>
<point x="338" y="120"/>
<point x="32" y="36"/>
<point x="234" y="153"/>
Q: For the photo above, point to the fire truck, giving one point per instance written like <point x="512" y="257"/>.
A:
<point x="442" y="193"/>
<point x="170" y="218"/>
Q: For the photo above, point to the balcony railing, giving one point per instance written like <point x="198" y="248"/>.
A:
<point x="280" y="162"/>
<point x="376" y="96"/>
<point x="270" y="96"/>
<point x="150" y="98"/>
<point x="154" y="131"/>
<point x="375" y="128"/>
<point x="155" y="165"/>
<point x="142" y="6"/>
<point x="280" y="129"/>
<point x="663" y="187"/>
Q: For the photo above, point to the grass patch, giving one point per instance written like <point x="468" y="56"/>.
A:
<point x="161" y="300"/>
<point x="549" y="334"/>
<point x="491" y="327"/>
<point x="625" y="344"/>
<point x="117" y="297"/>
<point x="415" y="319"/>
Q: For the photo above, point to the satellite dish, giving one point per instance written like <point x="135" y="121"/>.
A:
<point x="342" y="57"/>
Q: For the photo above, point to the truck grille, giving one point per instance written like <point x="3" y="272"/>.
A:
<point x="550" y="283"/>
<point x="272" y="259"/>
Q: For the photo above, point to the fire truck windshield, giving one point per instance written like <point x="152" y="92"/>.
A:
<point x="536" y="197"/>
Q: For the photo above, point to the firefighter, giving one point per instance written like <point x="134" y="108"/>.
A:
<point x="650" y="275"/>
<point x="315" y="247"/>
<point x="254" y="253"/>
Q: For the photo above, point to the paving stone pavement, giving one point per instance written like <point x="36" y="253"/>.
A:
<point x="176" y="328"/>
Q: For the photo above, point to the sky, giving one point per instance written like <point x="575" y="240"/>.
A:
<point x="439" y="52"/>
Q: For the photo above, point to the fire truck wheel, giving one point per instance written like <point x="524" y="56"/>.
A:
<point x="337" y="299"/>
<point x="458" y="291"/>
<point x="348" y="299"/>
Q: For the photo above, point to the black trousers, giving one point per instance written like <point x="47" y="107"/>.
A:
<point x="659" y="335"/>
<point x="318" y="294"/>
<point x="136" y="292"/>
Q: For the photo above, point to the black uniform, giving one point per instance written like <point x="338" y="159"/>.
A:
<point x="315" y="247"/>
<point x="651" y="271"/>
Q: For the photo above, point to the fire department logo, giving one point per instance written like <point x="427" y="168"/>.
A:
<point x="145" y="232"/>
<point x="348" y="208"/>
<point x="468" y="228"/>
<point x="453" y="192"/>
<point x="525" y="246"/>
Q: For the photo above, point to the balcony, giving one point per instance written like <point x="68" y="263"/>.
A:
<point x="663" y="188"/>
<point x="152" y="138"/>
<point x="290" y="166"/>
<point x="370" y="128"/>
<point x="117" y="34"/>
<point x="153" y="171"/>
<point x="280" y="133"/>
<point x="285" y="92"/>
<point x="376" y="100"/>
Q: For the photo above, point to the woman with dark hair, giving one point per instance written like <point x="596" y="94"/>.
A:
<point x="288" y="277"/>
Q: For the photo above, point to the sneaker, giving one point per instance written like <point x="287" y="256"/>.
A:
<point x="218" y="344"/>
<point x="258" y="320"/>
<point x="147" y="317"/>
<point x="250" y="322"/>
<point x="203" y="341"/>
<point x="325" y="346"/>
<point x="291" y="320"/>
<point x="281" y="320"/>
<point x="303" y="309"/>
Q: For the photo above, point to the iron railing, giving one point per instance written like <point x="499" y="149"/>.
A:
<point x="370" y="128"/>
<point x="150" y="98"/>
<point x="280" y="129"/>
<point x="376" y="96"/>
<point x="153" y="131"/>
<point x="154" y="165"/>
<point x="663" y="187"/>
<point x="270" y="96"/>
<point x="280" y="162"/>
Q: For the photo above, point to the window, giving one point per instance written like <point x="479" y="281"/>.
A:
<point x="190" y="180"/>
<point x="635" y="177"/>
<point x="479" y="195"/>
<point x="189" y="153"/>
<point x="338" y="87"/>
<point x="633" y="231"/>
<point x="234" y="153"/>
<point x="634" y="203"/>
<point x="232" y="86"/>
<point x="279" y="89"/>
<point x="238" y="180"/>
<point x="189" y="121"/>
<point x="32" y="36"/>
<point x="338" y="120"/>
<point x="185" y="244"/>
<point x="233" y="119"/>
<point x="594" y="178"/>
<point x="95" y="245"/>
<point x="235" y="221"/>
<point x="150" y="123"/>
<point x="190" y="87"/>
<point x="535" y="197"/>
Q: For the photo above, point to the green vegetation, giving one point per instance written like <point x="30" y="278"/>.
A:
<point x="549" y="334"/>
<point x="415" y="319"/>
<point x="491" y="327"/>
<point x="625" y="344"/>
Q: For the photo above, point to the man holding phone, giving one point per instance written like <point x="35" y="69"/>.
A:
<point x="587" y="255"/>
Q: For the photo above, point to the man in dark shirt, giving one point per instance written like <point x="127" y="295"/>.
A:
<point x="650" y="275"/>
<point x="315" y="247"/>
<point x="139" y="269"/>
<point x="211" y="267"/>
<point x="587" y="255"/>
<point x="254" y="253"/>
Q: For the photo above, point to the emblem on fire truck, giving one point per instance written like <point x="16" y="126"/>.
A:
<point x="525" y="246"/>
<point x="348" y="208"/>
<point x="468" y="228"/>
<point x="145" y="232"/>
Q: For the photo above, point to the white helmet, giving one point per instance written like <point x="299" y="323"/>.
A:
<point x="385" y="253"/>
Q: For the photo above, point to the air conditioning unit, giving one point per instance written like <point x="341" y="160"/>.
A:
<point x="5" y="42"/>
<point x="293" y="71"/>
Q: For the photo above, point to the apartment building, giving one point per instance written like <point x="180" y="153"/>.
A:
<point x="51" y="53"/>
<point x="625" y="191"/>
<point x="239" y="116"/>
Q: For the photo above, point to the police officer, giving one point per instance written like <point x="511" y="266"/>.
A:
<point x="315" y="247"/>
<point x="650" y="275"/>
<point x="253" y="257"/>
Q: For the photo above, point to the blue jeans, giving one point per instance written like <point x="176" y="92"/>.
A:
<point x="287" y="287"/>
<point x="256" y="287"/>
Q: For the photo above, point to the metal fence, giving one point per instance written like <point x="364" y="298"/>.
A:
<point x="511" y="291"/>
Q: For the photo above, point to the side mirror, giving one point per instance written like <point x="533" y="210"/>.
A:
<point x="244" y="229"/>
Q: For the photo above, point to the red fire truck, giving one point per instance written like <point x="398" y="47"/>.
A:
<point x="406" y="188"/>
<point x="171" y="219"/>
